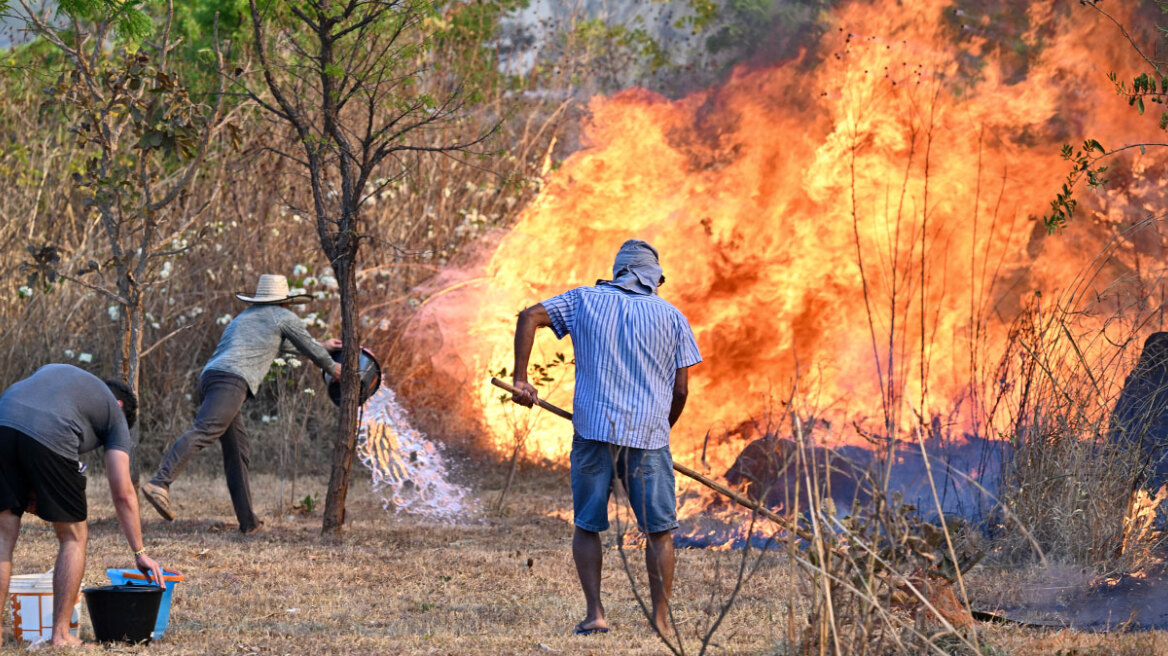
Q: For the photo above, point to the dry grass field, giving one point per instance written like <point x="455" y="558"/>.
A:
<point x="394" y="585"/>
<point x="397" y="585"/>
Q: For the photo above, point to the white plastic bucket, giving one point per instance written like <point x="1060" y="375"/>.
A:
<point x="31" y="598"/>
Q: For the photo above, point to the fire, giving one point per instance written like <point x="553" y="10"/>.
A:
<point x="859" y="223"/>
<point x="1139" y="523"/>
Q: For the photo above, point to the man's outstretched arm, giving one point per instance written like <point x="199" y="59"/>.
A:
<point x="295" y="332"/>
<point x="117" y="470"/>
<point x="529" y="320"/>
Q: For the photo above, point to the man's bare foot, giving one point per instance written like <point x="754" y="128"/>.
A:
<point x="69" y="640"/>
<point x="663" y="626"/>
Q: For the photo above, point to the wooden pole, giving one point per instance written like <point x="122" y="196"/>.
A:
<point x="737" y="497"/>
<point x="741" y="499"/>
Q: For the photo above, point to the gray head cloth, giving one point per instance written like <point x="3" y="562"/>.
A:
<point x="636" y="268"/>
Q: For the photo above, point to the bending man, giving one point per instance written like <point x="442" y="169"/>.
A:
<point x="632" y="352"/>
<point x="247" y="349"/>
<point x="46" y="421"/>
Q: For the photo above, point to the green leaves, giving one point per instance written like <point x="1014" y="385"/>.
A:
<point x="132" y="24"/>
<point x="541" y="374"/>
<point x="1145" y="87"/>
<point x="1062" y="208"/>
<point x="128" y="19"/>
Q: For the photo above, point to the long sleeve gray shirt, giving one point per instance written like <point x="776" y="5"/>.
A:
<point x="254" y="339"/>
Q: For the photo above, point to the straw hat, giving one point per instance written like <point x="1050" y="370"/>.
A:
<point x="271" y="289"/>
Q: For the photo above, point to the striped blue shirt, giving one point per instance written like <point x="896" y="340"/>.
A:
<point x="628" y="350"/>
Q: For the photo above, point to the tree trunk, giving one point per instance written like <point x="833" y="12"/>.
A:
<point x="346" y="441"/>
<point x="128" y="361"/>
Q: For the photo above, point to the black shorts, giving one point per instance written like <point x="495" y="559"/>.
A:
<point x="34" y="478"/>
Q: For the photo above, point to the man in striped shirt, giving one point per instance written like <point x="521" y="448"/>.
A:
<point x="633" y="350"/>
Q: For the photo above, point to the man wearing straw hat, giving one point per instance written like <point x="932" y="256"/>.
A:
<point x="249" y="345"/>
<point x="633" y="350"/>
<point x="46" y="421"/>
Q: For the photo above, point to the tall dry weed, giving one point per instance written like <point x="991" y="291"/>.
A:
<point x="1078" y="482"/>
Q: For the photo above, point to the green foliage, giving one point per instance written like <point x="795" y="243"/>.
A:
<point x="1147" y="87"/>
<point x="1152" y="87"/>
<point x="307" y="504"/>
<point x="539" y="375"/>
<point x="193" y="30"/>
<point x="746" y="18"/>
<point x="465" y="34"/>
<point x="132" y="125"/>
<point x="705" y="12"/>
<point x="127" y="17"/>
<point x="1062" y="208"/>
<point x="194" y="20"/>
<point x="473" y="24"/>
<point x="598" y="35"/>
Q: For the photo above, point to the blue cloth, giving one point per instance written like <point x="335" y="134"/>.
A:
<point x="628" y="349"/>
<point x="636" y="268"/>
<point x="647" y="475"/>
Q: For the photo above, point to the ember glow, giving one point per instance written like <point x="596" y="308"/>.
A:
<point x="871" y="207"/>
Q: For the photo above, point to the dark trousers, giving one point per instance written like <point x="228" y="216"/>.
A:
<point x="221" y="398"/>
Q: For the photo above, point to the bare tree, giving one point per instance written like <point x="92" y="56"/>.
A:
<point x="143" y="138"/>
<point x="347" y="78"/>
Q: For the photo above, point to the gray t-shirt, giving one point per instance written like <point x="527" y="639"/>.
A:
<point x="252" y="341"/>
<point x="68" y="410"/>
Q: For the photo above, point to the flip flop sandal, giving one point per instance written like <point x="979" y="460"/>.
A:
<point x="580" y="630"/>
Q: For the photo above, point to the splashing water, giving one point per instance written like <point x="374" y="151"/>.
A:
<point x="408" y="470"/>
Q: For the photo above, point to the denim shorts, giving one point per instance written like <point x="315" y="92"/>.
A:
<point x="647" y="475"/>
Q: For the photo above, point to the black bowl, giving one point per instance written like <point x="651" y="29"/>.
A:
<point x="370" y="376"/>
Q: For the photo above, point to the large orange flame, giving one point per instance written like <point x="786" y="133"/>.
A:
<point x="861" y="222"/>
